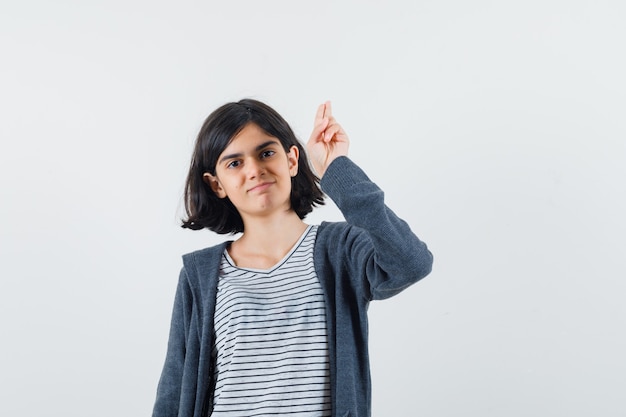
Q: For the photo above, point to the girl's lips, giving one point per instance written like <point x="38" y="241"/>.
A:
<point x="260" y="187"/>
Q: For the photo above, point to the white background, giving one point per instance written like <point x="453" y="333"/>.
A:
<point x="496" y="128"/>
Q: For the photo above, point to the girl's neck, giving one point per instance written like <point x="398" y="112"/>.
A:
<point x="266" y="240"/>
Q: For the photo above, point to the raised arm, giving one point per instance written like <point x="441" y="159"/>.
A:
<point x="384" y="253"/>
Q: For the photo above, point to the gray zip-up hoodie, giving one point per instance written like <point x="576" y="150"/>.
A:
<point x="373" y="255"/>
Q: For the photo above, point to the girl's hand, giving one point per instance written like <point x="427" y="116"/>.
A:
<point x="328" y="140"/>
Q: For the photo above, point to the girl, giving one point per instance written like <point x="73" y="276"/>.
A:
<point x="275" y="322"/>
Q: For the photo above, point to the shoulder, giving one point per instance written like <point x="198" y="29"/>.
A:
<point x="202" y="262"/>
<point x="326" y="230"/>
<point x="333" y="236"/>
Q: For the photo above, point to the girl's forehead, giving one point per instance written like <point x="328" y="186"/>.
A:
<point x="250" y="137"/>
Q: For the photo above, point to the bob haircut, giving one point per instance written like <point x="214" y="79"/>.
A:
<point x="203" y="207"/>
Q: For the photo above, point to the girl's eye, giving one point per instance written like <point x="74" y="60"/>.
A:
<point x="233" y="164"/>
<point x="267" y="153"/>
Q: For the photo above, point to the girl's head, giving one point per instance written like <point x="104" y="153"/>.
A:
<point x="203" y="207"/>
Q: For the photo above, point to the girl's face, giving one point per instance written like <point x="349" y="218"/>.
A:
<point x="254" y="172"/>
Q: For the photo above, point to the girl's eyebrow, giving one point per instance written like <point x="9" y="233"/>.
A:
<point x="240" y="154"/>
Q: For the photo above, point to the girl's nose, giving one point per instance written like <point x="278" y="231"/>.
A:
<point x="255" y="168"/>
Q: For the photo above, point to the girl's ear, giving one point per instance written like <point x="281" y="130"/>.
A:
<point x="215" y="185"/>
<point x="292" y="159"/>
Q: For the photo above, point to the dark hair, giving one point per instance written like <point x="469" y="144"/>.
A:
<point x="203" y="207"/>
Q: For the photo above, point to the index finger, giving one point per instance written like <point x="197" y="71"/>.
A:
<point x="319" y="116"/>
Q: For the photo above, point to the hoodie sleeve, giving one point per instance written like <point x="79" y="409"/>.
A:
<point x="381" y="248"/>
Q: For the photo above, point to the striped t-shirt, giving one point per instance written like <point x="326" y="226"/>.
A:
<point x="271" y="345"/>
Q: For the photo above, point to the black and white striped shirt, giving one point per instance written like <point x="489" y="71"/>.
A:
<point x="271" y="343"/>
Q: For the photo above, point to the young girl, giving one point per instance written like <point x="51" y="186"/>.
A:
<point x="275" y="322"/>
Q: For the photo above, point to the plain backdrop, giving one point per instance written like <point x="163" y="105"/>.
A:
<point x="496" y="128"/>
